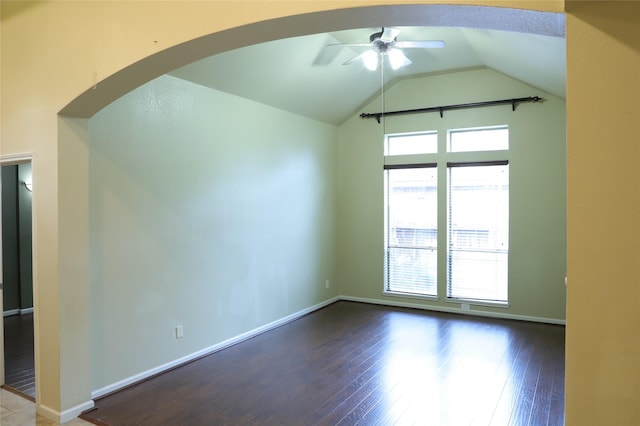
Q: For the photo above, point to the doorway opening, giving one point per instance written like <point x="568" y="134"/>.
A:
<point x="17" y="363"/>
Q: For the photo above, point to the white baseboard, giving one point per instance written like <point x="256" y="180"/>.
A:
<point x="207" y="351"/>
<point x="73" y="412"/>
<point x="455" y="310"/>
<point x="66" y="415"/>
<point x="270" y="326"/>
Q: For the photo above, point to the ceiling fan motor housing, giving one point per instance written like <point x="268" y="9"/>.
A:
<point x="378" y="44"/>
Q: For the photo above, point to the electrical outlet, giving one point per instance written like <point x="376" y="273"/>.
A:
<point x="465" y="306"/>
<point x="179" y="332"/>
<point x="326" y="283"/>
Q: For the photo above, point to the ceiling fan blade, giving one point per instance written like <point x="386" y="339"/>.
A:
<point x="350" y="44"/>
<point x="389" y="34"/>
<point x="423" y="44"/>
<point x="354" y="59"/>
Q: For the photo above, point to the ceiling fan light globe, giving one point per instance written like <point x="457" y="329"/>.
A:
<point x="397" y="59"/>
<point x="370" y="60"/>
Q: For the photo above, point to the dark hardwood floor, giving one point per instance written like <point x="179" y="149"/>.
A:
<point x="353" y="363"/>
<point x="18" y="355"/>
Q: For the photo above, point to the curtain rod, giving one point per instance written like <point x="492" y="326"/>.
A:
<point x="441" y="109"/>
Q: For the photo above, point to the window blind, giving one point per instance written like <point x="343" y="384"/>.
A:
<point x="411" y="230"/>
<point x="478" y="231"/>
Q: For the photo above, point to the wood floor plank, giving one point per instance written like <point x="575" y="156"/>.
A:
<point x="523" y="401"/>
<point x="552" y="350"/>
<point x="518" y="363"/>
<point x="19" y="354"/>
<point x="490" y="395"/>
<point x="556" y="408"/>
<point x="354" y="363"/>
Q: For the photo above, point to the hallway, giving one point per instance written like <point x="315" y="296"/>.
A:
<point x="19" y="361"/>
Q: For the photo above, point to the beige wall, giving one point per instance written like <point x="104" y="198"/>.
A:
<point x="603" y="124"/>
<point x="53" y="51"/>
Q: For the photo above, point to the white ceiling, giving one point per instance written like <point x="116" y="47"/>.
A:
<point x="305" y="76"/>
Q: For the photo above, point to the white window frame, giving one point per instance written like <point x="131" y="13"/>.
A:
<point x="443" y="158"/>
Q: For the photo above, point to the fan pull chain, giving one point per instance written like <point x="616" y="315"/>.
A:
<point x="384" y="129"/>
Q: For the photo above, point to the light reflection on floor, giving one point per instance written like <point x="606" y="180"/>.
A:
<point x="450" y="384"/>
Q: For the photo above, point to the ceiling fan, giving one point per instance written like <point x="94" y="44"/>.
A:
<point x="385" y="43"/>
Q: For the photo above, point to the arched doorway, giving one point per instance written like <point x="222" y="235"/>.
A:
<point x="93" y="100"/>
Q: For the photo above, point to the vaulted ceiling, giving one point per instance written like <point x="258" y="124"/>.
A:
<point x="306" y="75"/>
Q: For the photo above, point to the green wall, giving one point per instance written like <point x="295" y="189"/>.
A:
<point x="222" y="215"/>
<point x="10" y="252"/>
<point x="16" y="239"/>
<point x="207" y="211"/>
<point x="537" y="182"/>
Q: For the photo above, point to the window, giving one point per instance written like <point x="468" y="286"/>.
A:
<point x="486" y="139"/>
<point x="411" y="230"/>
<point x="478" y="236"/>
<point x="470" y="178"/>
<point x="411" y="143"/>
